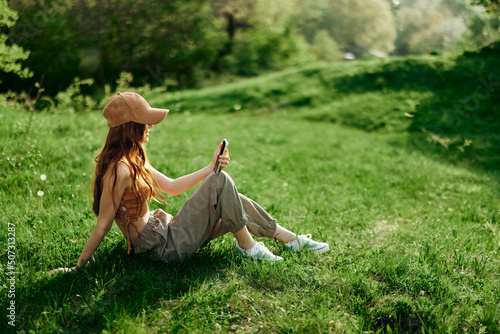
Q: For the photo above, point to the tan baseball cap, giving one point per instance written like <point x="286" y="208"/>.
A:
<point x="131" y="107"/>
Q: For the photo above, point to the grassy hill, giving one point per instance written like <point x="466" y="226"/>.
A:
<point x="394" y="162"/>
<point x="448" y="104"/>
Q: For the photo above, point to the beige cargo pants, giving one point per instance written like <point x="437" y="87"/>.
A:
<point x="215" y="209"/>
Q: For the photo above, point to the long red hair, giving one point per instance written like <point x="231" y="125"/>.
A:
<point x="125" y="143"/>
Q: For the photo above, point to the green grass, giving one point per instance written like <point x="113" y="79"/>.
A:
<point x="448" y="105"/>
<point x="411" y="222"/>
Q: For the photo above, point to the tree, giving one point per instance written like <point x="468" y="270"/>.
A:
<point x="236" y="15"/>
<point x="41" y="29"/>
<point x="11" y="56"/>
<point x="424" y="26"/>
<point x="324" y="47"/>
<point x="492" y="6"/>
<point x="259" y="36"/>
<point x="156" y="41"/>
<point x="359" y="26"/>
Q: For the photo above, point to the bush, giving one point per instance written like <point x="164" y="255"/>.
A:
<point x="325" y="48"/>
<point x="11" y="55"/>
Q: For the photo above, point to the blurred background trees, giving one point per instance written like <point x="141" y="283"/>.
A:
<point x="179" y="43"/>
<point x="11" y="56"/>
<point x="358" y="26"/>
<point x="490" y="5"/>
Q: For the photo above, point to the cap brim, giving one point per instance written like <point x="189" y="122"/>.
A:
<point x="153" y="116"/>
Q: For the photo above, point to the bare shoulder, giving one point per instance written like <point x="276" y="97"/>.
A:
<point x="122" y="173"/>
<point x="122" y="170"/>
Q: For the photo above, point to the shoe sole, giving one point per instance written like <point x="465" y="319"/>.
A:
<point x="262" y="260"/>
<point x="280" y="259"/>
<point x="321" y="250"/>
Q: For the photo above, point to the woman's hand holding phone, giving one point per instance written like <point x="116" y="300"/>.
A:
<point x="221" y="157"/>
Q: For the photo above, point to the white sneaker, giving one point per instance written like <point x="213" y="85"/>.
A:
<point x="304" y="242"/>
<point x="258" y="252"/>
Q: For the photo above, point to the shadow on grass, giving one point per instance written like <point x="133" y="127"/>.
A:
<point x="117" y="285"/>
<point x="460" y="121"/>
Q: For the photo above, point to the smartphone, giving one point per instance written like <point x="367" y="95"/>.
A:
<point x="221" y="152"/>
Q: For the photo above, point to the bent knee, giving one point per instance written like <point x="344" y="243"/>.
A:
<point x="220" y="180"/>
<point x="225" y="179"/>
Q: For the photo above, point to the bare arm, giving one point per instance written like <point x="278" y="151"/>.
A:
<point x="182" y="184"/>
<point x="107" y="211"/>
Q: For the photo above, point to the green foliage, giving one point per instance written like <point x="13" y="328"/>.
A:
<point x="324" y="47"/>
<point x="425" y="27"/>
<point x="174" y="44"/>
<point x="72" y="99"/>
<point x="482" y="30"/>
<point x="76" y="98"/>
<point x="185" y="43"/>
<point x="358" y="26"/>
<point x="491" y="5"/>
<point x="153" y="41"/>
<point x="11" y="56"/>
<point x="442" y="37"/>
<point x="257" y="51"/>
<point x="43" y="29"/>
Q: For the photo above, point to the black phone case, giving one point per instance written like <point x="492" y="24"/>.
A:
<point x="221" y="152"/>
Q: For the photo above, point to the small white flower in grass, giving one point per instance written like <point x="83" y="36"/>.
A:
<point x="40" y="193"/>
<point x="43" y="177"/>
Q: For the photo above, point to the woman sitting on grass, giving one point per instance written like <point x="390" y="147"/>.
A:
<point x="125" y="181"/>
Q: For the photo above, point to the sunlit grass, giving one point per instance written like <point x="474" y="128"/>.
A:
<point x="397" y="222"/>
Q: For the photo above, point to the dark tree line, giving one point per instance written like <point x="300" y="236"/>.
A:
<point x="177" y="43"/>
